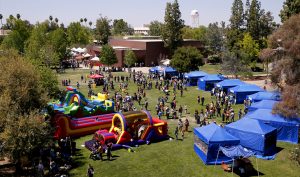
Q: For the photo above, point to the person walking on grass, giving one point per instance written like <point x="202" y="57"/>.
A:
<point x="198" y="99"/>
<point x="176" y="133"/>
<point x="180" y="127"/>
<point x="186" y="124"/>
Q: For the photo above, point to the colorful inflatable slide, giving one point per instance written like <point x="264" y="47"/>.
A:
<point x="75" y="127"/>
<point x="136" y="127"/>
<point x="76" y="105"/>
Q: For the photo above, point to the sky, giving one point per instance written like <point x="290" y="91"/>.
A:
<point x="135" y="12"/>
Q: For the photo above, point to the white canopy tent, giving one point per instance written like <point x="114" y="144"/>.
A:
<point x="95" y="59"/>
<point x="165" y="62"/>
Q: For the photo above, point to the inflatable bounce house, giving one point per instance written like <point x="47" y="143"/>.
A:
<point x="76" y="105"/>
<point x="77" y="116"/>
<point x="129" y="128"/>
<point x="75" y="127"/>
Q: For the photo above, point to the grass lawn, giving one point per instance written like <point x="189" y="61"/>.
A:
<point x="167" y="158"/>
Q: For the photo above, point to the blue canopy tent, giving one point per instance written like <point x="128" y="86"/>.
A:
<point x="264" y="104"/>
<point x="207" y="82"/>
<point x="167" y="71"/>
<point x="255" y="135"/>
<point x="208" y="140"/>
<point x="153" y="69"/>
<point x="276" y="96"/>
<point x="287" y="128"/>
<point x="193" y="76"/>
<point x="241" y="91"/>
<point x="228" y="83"/>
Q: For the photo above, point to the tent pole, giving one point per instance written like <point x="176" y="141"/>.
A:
<point x="217" y="157"/>
<point x="257" y="167"/>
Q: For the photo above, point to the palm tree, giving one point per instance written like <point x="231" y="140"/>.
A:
<point x="56" y="20"/>
<point x="62" y="26"/>
<point x="50" y="18"/>
<point x="18" y="16"/>
<point x="85" y="20"/>
<point x="81" y="20"/>
<point x="90" y="23"/>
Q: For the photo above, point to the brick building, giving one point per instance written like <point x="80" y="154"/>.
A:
<point x="148" y="51"/>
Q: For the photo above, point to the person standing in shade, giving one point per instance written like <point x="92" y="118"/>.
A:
<point x="240" y="114"/>
<point x="198" y="99"/>
<point x="202" y="100"/>
<point x="109" y="147"/>
<point x="90" y="171"/>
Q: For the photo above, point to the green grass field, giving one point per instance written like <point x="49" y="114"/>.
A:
<point x="167" y="158"/>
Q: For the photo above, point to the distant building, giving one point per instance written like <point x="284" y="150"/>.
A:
<point x="4" y="32"/>
<point x="148" y="51"/>
<point x="141" y="30"/>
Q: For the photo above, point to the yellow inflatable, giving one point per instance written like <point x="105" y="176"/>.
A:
<point x="100" y="97"/>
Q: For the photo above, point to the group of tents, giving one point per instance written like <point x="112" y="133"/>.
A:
<point x="239" y="89"/>
<point x="256" y="134"/>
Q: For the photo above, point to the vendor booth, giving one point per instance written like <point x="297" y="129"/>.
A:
<point x="193" y="76"/>
<point x="208" y="140"/>
<point x="240" y="92"/>
<point x="207" y="82"/>
<point x="287" y="128"/>
<point x="255" y="135"/>
<point x="259" y="96"/>
<point x="228" y="83"/>
<point x="264" y="104"/>
<point x="167" y="71"/>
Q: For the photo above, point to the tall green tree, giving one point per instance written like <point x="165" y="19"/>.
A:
<point x="187" y="59"/>
<point x="102" y="32"/>
<point x="232" y="63"/>
<point x="290" y="7"/>
<point x="199" y="33"/>
<point x="250" y="49"/>
<point x="235" y="30"/>
<point x="120" y="27"/>
<point x="237" y="15"/>
<point x="22" y="128"/>
<point x="16" y="39"/>
<point x="214" y="37"/>
<point x="172" y="28"/>
<point x="58" y="39"/>
<point x="253" y="20"/>
<point x="130" y="58"/>
<point x="155" y="28"/>
<point x="77" y="34"/>
<point x="108" y="55"/>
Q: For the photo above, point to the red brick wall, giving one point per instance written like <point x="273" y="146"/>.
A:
<point x="147" y="52"/>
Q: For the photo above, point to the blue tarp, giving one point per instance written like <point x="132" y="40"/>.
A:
<point x="264" y="96"/>
<point x="207" y="82"/>
<point x="287" y="128"/>
<point x="228" y="83"/>
<point x="236" y="152"/>
<point x="212" y="137"/>
<point x="193" y="76"/>
<point x="255" y="135"/>
<point x="264" y="104"/>
<point x="242" y="91"/>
